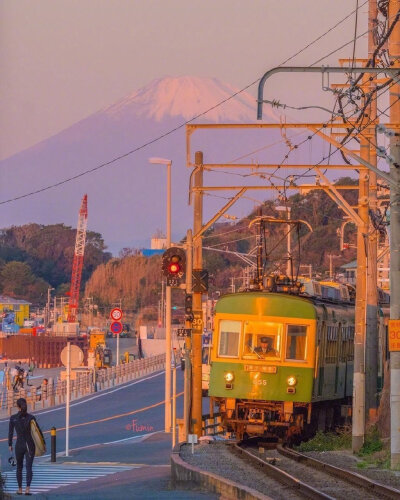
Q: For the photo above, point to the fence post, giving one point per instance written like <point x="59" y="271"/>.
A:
<point x="10" y="400"/>
<point x="33" y="398"/>
<point x="51" y="393"/>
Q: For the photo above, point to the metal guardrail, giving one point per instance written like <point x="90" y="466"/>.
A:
<point x="86" y="383"/>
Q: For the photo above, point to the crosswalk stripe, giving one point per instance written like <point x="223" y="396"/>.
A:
<point x="50" y="476"/>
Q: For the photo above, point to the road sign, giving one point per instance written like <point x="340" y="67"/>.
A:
<point x="197" y="323"/>
<point x="173" y="281"/>
<point x="207" y="339"/>
<point x="184" y="332"/>
<point x="116" y="314"/>
<point x="76" y="356"/>
<point x="116" y="327"/>
<point x="200" y="280"/>
<point x="394" y="335"/>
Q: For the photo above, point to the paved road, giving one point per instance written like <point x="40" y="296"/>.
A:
<point x="120" y="427"/>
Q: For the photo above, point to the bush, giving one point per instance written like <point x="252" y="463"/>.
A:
<point x="372" y="443"/>
<point x="329" y="441"/>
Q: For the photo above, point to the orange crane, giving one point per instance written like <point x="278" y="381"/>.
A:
<point x="78" y="261"/>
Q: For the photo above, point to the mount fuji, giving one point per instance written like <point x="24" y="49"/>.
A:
<point x="126" y="194"/>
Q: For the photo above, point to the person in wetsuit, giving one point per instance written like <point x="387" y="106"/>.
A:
<point x="25" y="447"/>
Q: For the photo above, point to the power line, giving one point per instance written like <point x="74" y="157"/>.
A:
<point x="169" y="132"/>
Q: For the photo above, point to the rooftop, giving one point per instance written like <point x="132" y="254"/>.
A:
<point x="11" y="300"/>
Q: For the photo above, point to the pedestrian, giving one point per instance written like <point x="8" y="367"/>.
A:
<point x="43" y="388"/>
<point x="25" y="446"/>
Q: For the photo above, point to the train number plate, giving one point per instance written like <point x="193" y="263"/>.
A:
<point x="258" y="368"/>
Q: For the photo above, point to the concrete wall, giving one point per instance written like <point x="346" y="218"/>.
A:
<point x="152" y="347"/>
<point x="185" y="475"/>
<point x="128" y="344"/>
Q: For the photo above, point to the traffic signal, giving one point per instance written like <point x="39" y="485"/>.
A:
<point x="189" y="306"/>
<point x="174" y="265"/>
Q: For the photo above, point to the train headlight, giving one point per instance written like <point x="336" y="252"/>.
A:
<point x="291" y="381"/>
<point x="229" y="376"/>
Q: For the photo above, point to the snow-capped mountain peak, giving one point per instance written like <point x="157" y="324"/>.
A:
<point x="188" y="97"/>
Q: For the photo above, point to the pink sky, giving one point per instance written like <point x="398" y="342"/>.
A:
<point x="62" y="60"/>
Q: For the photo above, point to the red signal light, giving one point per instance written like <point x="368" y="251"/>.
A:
<point x="174" y="268"/>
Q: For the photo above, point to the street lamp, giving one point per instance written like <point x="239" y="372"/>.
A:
<point x="47" y="315"/>
<point x="168" y="163"/>
<point x="289" y="256"/>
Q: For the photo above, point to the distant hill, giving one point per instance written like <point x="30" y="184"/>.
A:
<point x="34" y="257"/>
<point x="137" y="280"/>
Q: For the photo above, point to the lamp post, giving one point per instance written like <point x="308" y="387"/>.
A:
<point x="47" y="316"/>
<point x="168" y="163"/>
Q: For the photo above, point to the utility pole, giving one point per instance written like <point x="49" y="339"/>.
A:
<point x="197" y="330"/>
<point x="358" y="421"/>
<point x="47" y="315"/>
<point x="55" y="310"/>
<point x="394" y="54"/>
<point x="188" y="341"/>
<point x="371" y="355"/>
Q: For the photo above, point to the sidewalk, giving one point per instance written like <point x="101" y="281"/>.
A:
<point x="148" y="478"/>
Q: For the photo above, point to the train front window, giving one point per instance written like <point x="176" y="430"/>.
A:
<point x="296" y="342"/>
<point x="262" y="340"/>
<point x="229" y="333"/>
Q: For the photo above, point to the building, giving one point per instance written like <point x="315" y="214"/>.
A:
<point x="350" y="273"/>
<point x="19" y="308"/>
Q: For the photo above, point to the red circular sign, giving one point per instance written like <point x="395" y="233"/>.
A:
<point x="116" y="327"/>
<point x="116" y="314"/>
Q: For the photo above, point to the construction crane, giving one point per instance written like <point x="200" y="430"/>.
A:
<point x="78" y="261"/>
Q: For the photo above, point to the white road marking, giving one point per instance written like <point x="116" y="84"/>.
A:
<point x="50" y="476"/>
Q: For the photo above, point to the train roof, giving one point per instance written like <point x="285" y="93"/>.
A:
<point x="260" y="303"/>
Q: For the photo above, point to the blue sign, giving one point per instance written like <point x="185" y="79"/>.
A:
<point x="207" y="339"/>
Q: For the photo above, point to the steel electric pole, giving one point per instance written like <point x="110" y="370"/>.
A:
<point x="394" y="54"/>
<point x="197" y="329"/>
<point x="371" y="354"/>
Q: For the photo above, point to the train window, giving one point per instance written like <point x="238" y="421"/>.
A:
<point x="262" y="339"/>
<point x="229" y="333"/>
<point x="296" y="342"/>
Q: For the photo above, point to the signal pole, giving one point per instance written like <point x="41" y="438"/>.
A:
<point x="197" y="330"/>
<point x="394" y="54"/>
<point x="188" y="340"/>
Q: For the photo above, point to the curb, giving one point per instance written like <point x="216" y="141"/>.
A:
<point x="183" y="474"/>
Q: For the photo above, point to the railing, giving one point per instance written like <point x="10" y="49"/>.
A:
<point x="85" y="383"/>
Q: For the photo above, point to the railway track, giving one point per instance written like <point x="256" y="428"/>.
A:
<point x="311" y="478"/>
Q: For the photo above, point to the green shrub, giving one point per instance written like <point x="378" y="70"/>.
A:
<point x="329" y="441"/>
<point x="372" y="443"/>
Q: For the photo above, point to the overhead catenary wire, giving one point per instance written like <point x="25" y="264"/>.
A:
<point x="178" y="127"/>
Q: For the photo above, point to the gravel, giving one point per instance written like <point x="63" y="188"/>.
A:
<point x="216" y="458"/>
<point x="332" y="486"/>
<point x="346" y="460"/>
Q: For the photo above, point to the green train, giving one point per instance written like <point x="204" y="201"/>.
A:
<point x="282" y="364"/>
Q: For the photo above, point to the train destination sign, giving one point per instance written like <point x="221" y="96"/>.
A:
<point x="394" y="335"/>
